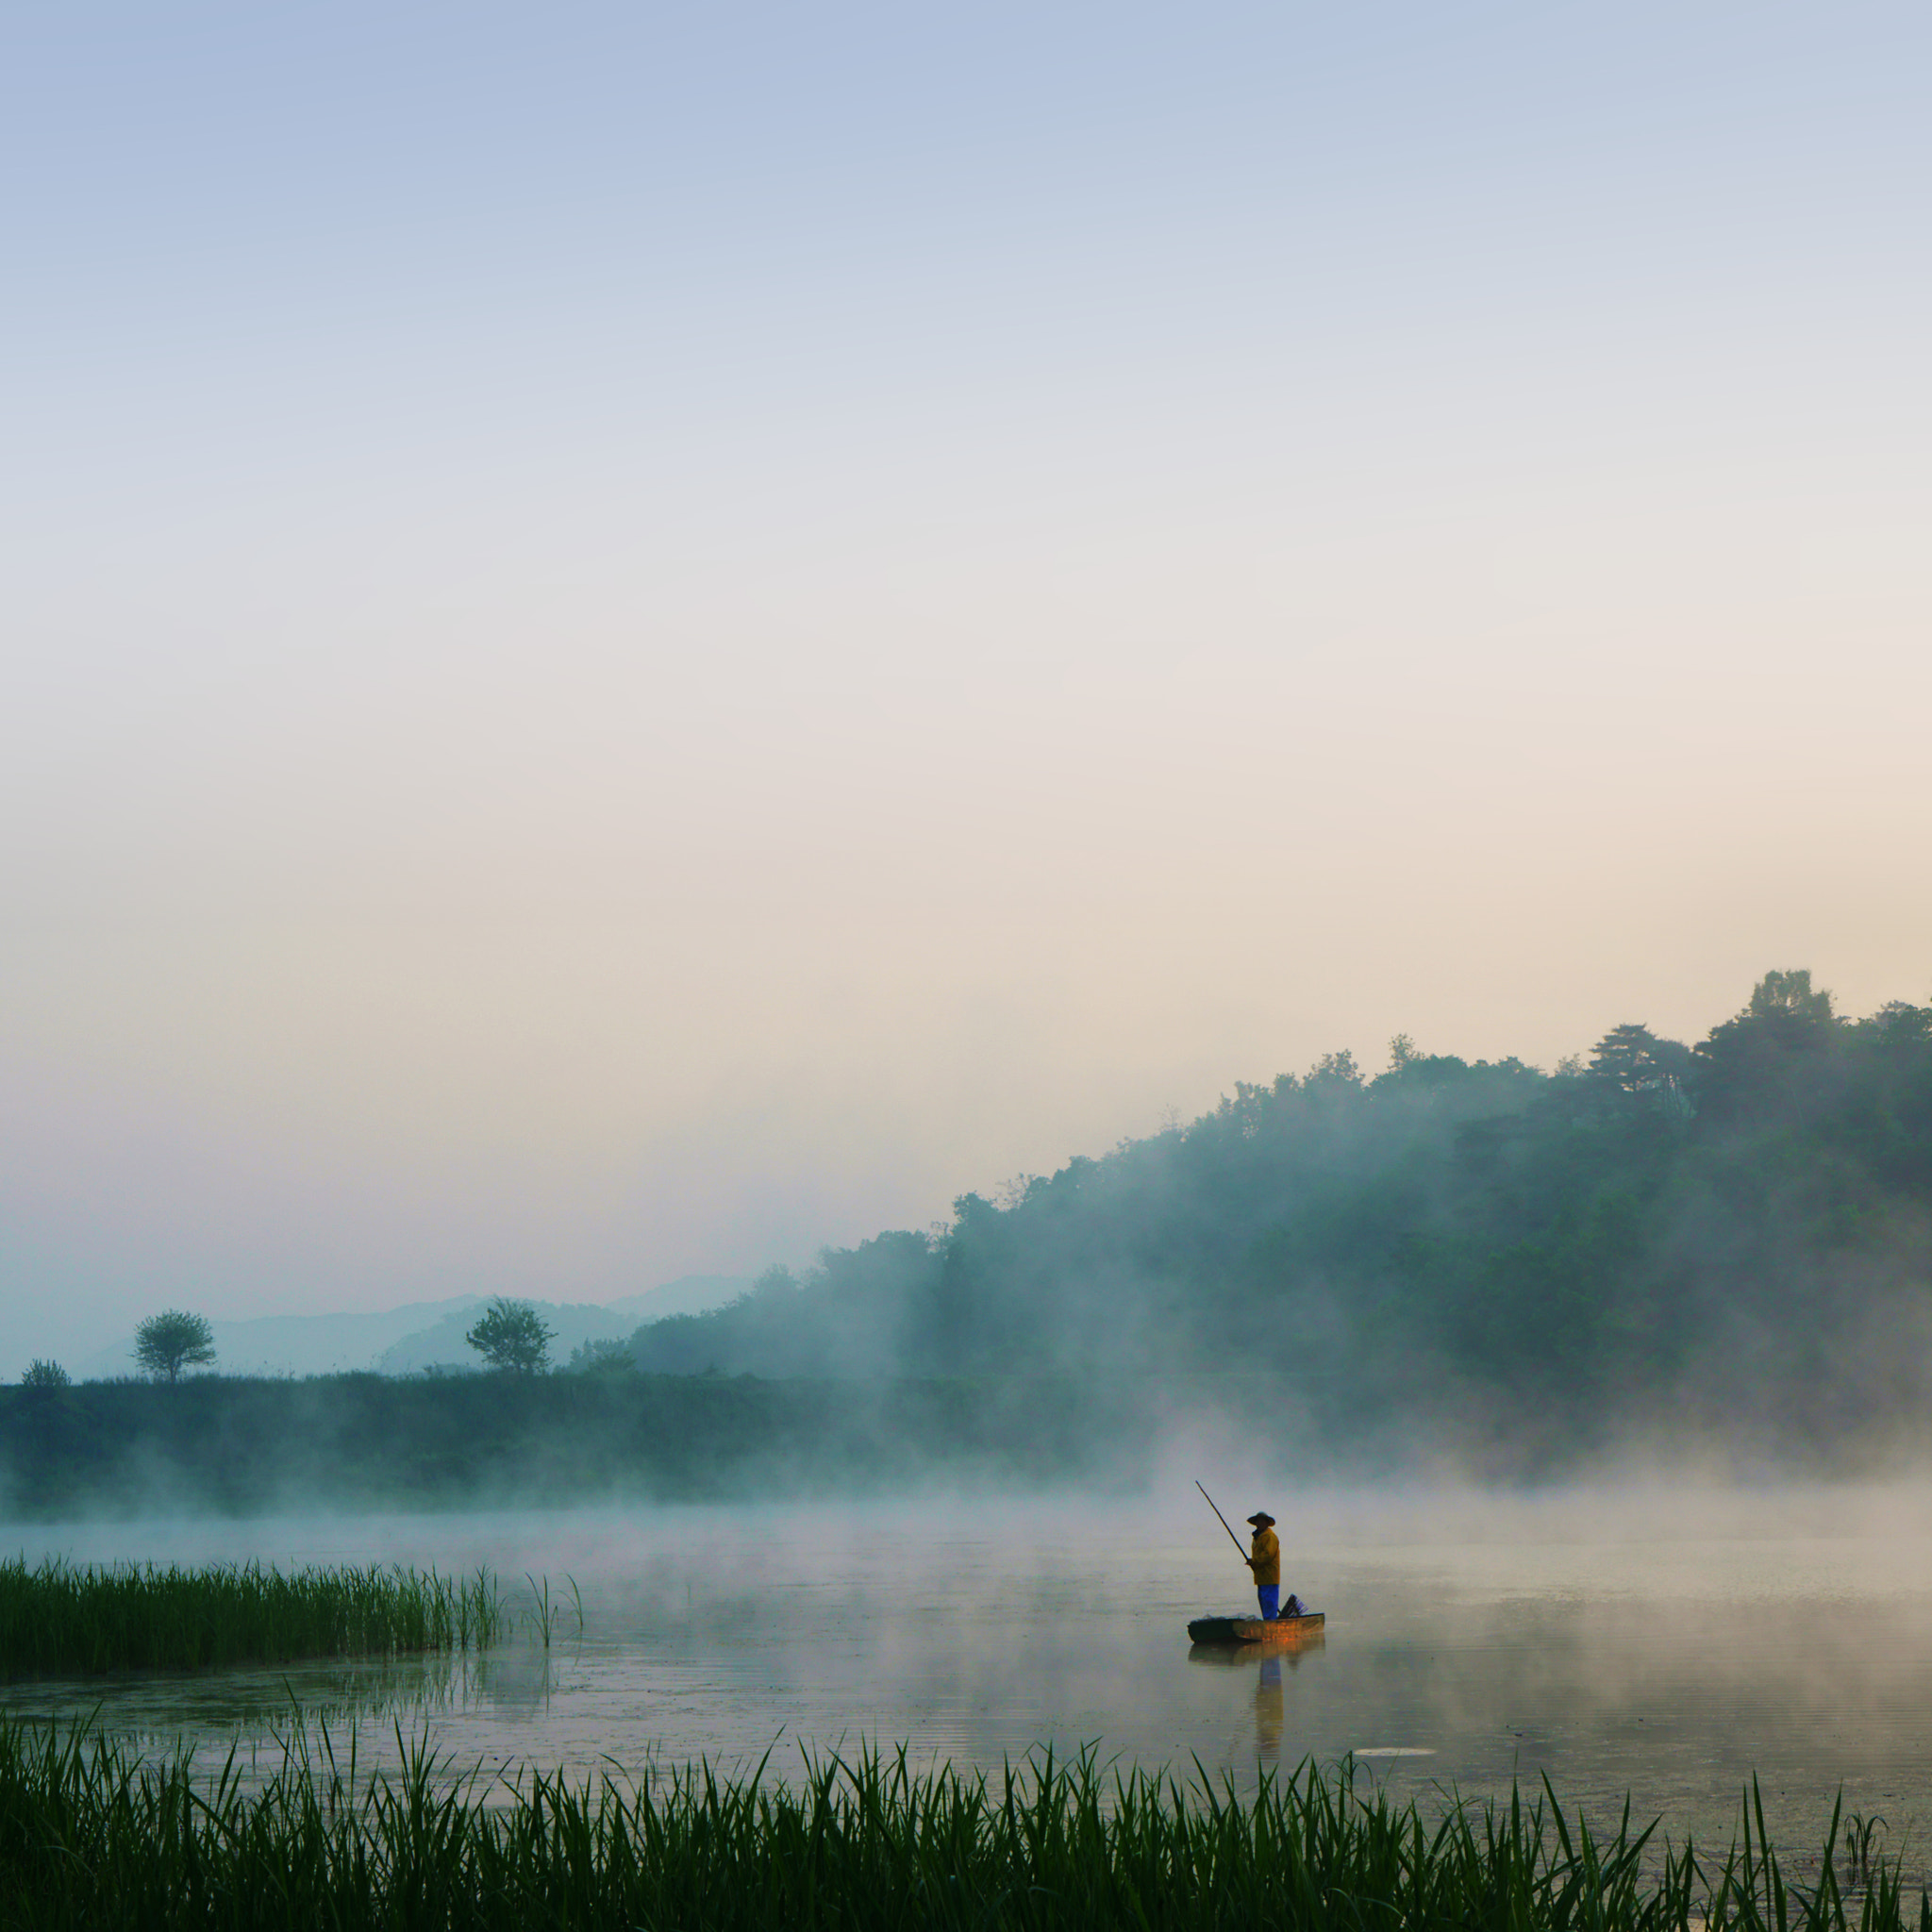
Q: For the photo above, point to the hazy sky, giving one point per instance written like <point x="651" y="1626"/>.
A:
<point x="639" y="638"/>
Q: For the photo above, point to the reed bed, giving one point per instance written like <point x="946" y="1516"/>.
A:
<point x="60" y="1620"/>
<point x="90" y="1837"/>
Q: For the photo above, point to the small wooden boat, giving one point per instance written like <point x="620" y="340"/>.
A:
<point x="1257" y="1629"/>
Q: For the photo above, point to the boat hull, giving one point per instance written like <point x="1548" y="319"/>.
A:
<point x="1256" y="1629"/>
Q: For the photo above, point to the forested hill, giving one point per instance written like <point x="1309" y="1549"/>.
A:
<point x="1731" y="1236"/>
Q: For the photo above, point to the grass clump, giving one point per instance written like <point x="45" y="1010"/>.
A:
<point x="59" y="1620"/>
<point x="90" y="1836"/>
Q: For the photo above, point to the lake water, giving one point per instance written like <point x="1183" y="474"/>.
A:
<point x="1640" y="1641"/>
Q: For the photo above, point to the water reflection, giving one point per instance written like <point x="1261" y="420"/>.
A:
<point x="1267" y="1663"/>
<point x="335" y="1696"/>
<point x="511" y="1683"/>
<point x="1268" y="1712"/>
<point x="1247" y="1656"/>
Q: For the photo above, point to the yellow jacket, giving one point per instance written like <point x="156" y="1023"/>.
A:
<point x="1266" y="1562"/>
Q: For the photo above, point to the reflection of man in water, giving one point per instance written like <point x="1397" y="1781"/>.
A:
<point x="1269" y="1712"/>
<point x="1266" y="1563"/>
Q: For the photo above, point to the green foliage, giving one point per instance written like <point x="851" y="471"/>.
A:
<point x="58" y="1620"/>
<point x="512" y="1337"/>
<point x="1788" y="996"/>
<point x="1634" y="1063"/>
<point x="46" y="1375"/>
<point x="603" y="1357"/>
<point x="242" y="1446"/>
<point x="1735" y="1236"/>
<point x="166" y="1343"/>
<point x="90" y="1836"/>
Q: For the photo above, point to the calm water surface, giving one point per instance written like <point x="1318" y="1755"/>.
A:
<point x="1648" y="1644"/>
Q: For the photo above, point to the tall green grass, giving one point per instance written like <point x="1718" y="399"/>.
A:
<point x="89" y="1837"/>
<point x="59" y="1620"/>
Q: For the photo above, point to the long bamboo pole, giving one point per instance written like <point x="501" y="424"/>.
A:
<point x="1216" y="1508"/>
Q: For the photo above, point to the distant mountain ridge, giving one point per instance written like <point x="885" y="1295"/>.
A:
<point x="418" y="1335"/>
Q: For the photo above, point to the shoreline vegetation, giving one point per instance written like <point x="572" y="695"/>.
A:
<point x="58" y="1620"/>
<point x="89" y="1834"/>
<point x="242" y="1446"/>
<point x="350" y="1443"/>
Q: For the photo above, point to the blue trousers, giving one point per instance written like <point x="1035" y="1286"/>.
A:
<point x="1270" y="1594"/>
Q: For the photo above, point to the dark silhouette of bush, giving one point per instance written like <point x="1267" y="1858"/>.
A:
<point x="512" y="1337"/>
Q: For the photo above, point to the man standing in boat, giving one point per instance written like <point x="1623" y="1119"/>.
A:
<point x="1266" y="1564"/>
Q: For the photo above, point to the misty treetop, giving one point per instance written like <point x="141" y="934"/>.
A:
<point x="602" y="1356"/>
<point x="1735" y="1230"/>
<point x="512" y="1338"/>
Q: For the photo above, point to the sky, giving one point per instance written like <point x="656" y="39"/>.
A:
<point x="639" y="639"/>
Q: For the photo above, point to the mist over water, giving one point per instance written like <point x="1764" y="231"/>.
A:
<point x="1663" y="1643"/>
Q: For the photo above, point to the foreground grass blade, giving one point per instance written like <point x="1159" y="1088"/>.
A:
<point x="91" y="1836"/>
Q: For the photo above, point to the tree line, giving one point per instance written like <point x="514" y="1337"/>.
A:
<point x="1729" y="1239"/>
<point x="1731" y="1236"/>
